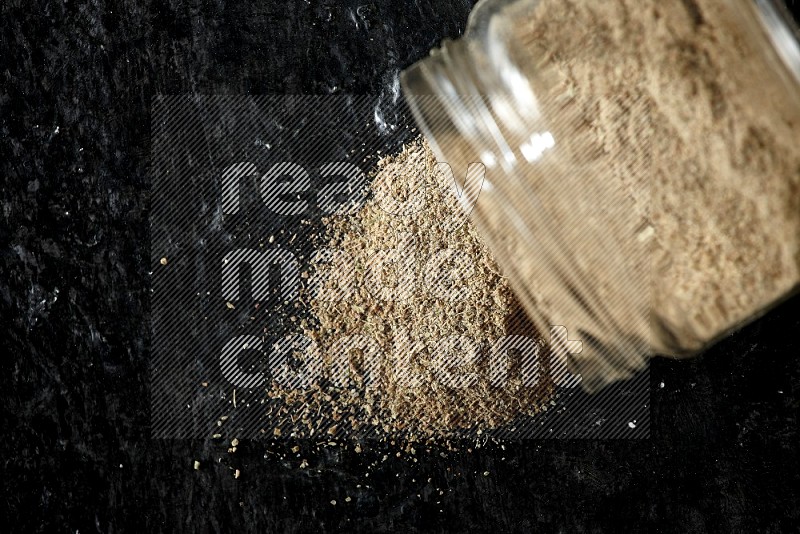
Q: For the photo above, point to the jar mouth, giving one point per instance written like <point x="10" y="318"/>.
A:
<point x="457" y="96"/>
<point x="445" y="96"/>
<point x="783" y="32"/>
<point x="434" y="101"/>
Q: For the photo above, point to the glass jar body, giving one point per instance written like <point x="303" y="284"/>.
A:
<point x="641" y="181"/>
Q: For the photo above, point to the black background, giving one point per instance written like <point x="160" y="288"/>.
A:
<point x="77" y="81"/>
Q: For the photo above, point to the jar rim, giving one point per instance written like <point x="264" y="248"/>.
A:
<point x="783" y="33"/>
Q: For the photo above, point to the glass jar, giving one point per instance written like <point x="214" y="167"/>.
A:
<point x="635" y="164"/>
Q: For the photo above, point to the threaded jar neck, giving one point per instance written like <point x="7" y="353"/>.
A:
<point x="462" y="91"/>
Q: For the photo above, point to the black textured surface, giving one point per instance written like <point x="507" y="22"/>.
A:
<point x="76" y="81"/>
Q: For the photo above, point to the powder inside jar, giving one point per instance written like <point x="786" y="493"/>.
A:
<point x="681" y="104"/>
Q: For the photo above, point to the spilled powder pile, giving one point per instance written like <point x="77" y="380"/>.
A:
<point x="408" y="314"/>
<point x="676" y="102"/>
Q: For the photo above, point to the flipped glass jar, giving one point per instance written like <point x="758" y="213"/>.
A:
<point x="633" y="165"/>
